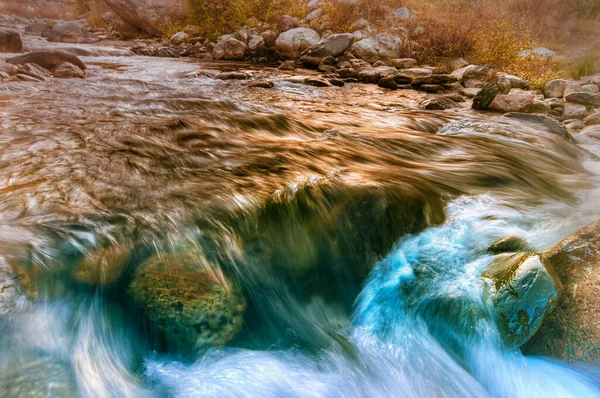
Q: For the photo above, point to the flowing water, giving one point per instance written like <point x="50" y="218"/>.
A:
<point x="354" y="223"/>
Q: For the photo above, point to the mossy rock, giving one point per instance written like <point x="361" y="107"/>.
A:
<point x="187" y="300"/>
<point x="103" y="266"/>
<point x="523" y="290"/>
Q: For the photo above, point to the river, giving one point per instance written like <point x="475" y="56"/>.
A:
<point x="354" y="223"/>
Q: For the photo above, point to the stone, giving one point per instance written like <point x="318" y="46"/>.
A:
<point x="256" y="43"/>
<point x="549" y="123"/>
<point x="555" y="88"/>
<point x="10" y="41"/>
<point x="433" y="79"/>
<point x="475" y="76"/>
<point x="572" y="87"/>
<point x="590" y="88"/>
<point x="417" y="72"/>
<point x="118" y="24"/>
<point x="572" y="331"/>
<point x="515" y="81"/>
<point x="167" y="52"/>
<point x="48" y="59"/>
<point x="270" y="38"/>
<point x="143" y="49"/>
<point x="515" y="101"/>
<point x="151" y="16"/>
<point x="540" y="52"/>
<point x="334" y="45"/>
<point x="314" y="15"/>
<point x="439" y="103"/>
<point x="523" y="291"/>
<point x="187" y="300"/>
<point x="588" y="99"/>
<point x="286" y="23"/>
<point x="337" y="82"/>
<point x="68" y="70"/>
<point x="179" y="38"/>
<point x="288" y="65"/>
<point x="104" y="266"/>
<point x="402" y="13"/>
<point x="381" y="47"/>
<point x="68" y="32"/>
<point x="317" y="81"/>
<point x="486" y="95"/>
<point x="26" y="78"/>
<point x="388" y="82"/>
<point x="431" y="88"/>
<point x="509" y="244"/>
<point x="262" y="84"/>
<point x="291" y="43"/>
<point x="459" y="63"/>
<point x="232" y="76"/>
<point x="234" y="49"/>
<point x="592" y="120"/>
<point x="35" y="71"/>
<point x="7" y="68"/>
<point x="402" y="63"/>
<point x="469" y="92"/>
<point x="540" y="107"/>
<point x="574" y="125"/>
<point x="574" y="111"/>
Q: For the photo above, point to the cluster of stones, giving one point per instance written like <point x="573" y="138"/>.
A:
<point x="40" y="66"/>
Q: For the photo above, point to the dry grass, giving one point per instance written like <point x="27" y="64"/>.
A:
<point x="587" y="65"/>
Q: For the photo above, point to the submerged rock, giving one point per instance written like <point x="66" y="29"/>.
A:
<point x="187" y="301"/>
<point x="551" y="124"/>
<point x="522" y="291"/>
<point x="103" y="266"/>
<point x="509" y="244"/>
<point x="572" y="330"/>
<point x="68" y="70"/>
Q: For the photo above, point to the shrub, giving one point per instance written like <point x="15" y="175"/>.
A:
<point x="588" y="65"/>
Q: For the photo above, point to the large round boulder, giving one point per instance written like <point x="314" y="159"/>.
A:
<point x="290" y="44"/>
<point x="381" y="47"/>
<point x="334" y="46"/>
<point x="151" y="16"/>
<point x="572" y="330"/>
<point x="49" y="59"/>
<point x="187" y="301"/>
<point x="10" y="41"/>
<point x="523" y="290"/>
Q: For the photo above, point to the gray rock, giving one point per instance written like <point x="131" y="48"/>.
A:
<point x="574" y="111"/>
<point x="67" y="32"/>
<point x="402" y="13"/>
<point x="590" y="88"/>
<point x="541" y="52"/>
<point x="270" y="37"/>
<point x="572" y="87"/>
<point x="234" y="49"/>
<point x="256" y="43"/>
<point x="314" y="15"/>
<point x="334" y="45"/>
<point x="167" y="52"/>
<point x="10" y="41"/>
<point x="515" y="101"/>
<point x="540" y="107"/>
<point x="522" y="291"/>
<point x="381" y="47"/>
<point x="434" y="79"/>
<point x="290" y="44"/>
<point x="361" y="24"/>
<point x="151" y="16"/>
<point x="515" y="81"/>
<point x="439" y="103"/>
<point x="592" y="119"/>
<point x="555" y="88"/>
<point x="179" y="38"/>
<point x="475" y="76"/>
<point x="417" y="72"/>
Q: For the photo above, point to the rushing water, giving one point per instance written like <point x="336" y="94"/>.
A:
<point x="355" y="224"/>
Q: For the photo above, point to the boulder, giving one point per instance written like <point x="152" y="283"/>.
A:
<point x="591" y="120"/>
<point x="549" y="123"/>
<point x="417" y="72"/>
<point x="167" y="52"/>
<point x="381" y="47"/>
<point x="187" y="300"/>
<point x="68" y="70"/>
<point x="575" y="125"/>
<point x="402" y="13"/>
<point x="515" y="101"/>
<point x="486" y="95"/>
<point x="234" y="49"/>
<point x="555" y="88"/>
<point x="119" y="25"/>
<point x="439" y="103"/>
<point x="151" y="16"/>
<point x="286" y="23"/>
<point x="522" y="290"/>
<point x="313" y="15"/>
<point x="574" y="111"/>
<point x="433" y="79"/>
<point x="179" y="38"/>
<point x="10" y="41"/>
<point x="572" y="87"/>
<point x="540" y="52"/>
<point x="590" y="88"/>
<point x="583" y="98"/>
<point x="48" y="59"/>
<point x="509" y="244"/>
<point x="256" y="43"/>
<point x="475" y="76"/>
<point x="388" y="82"/>
<point x="291" y="43"/>
<point x="540" y="107"/>
<point x="7" y="68"/>
<point x="515" y="81"/>
<point x="270" y="37"/>
<point x="572" y="330"/>
<point x="334" y="46"/>
<point x="402" y="63"/>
